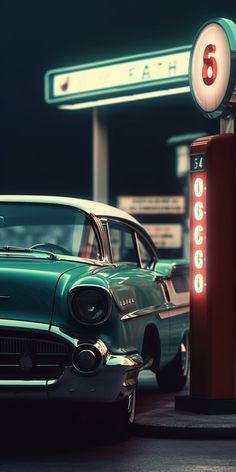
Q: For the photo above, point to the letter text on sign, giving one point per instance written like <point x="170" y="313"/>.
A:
<point x="198" y="226"/>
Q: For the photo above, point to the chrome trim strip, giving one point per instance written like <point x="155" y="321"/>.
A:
<point x="95" y="262"/>
<point x="134" y="360"/>
<point x="90" y="285"/>
<point x="102" y="348"/>
<point x="107" y="241"/>
<point x="24" y="324"/>
<point x="23" y="383"/>
<point x="25" y="255"/>
<point x="98" y="229"/>
<point x="164" y="311"/>
<point x="39" y="327"/>
<point x="51" y="382"/>
<point x="172" y="306"/>
<point x="143" y="312"/>
<point x="174" y="310"/>
<point x="57" y="330"/>
<point x="135" y="226"/>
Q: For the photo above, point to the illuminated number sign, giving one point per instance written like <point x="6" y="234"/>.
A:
<point x="198" y="222"/>
<point x="212" y="66"/>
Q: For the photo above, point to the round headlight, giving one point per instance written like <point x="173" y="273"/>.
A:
<point x="90" y="305"/>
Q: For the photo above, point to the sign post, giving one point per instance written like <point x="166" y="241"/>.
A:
<point x="212" y="227"/>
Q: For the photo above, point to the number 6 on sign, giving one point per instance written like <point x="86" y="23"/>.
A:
<point x="212" y="69"/>
<point x="209" y="64"/>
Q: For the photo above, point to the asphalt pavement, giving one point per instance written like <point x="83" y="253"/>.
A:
<point x="160" y="418"/>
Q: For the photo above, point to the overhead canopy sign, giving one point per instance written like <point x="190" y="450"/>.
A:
<point x="128" y="76"/>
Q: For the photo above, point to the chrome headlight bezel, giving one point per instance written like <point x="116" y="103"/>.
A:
<point x="103" y="292"/>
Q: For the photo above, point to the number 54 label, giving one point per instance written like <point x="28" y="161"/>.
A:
<point x="198" y="162"/>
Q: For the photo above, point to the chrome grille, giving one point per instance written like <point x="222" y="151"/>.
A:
<point x="32" y="357"/>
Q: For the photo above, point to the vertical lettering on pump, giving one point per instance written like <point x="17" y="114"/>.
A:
<point x="198" y="223"/>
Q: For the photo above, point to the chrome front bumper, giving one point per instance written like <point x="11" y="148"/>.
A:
<point x="115" y="378"/>
<point x="112" y="382"/>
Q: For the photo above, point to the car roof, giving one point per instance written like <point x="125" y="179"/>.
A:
<point x="88" y="206"/>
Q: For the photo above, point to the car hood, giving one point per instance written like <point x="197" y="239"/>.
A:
<point x="27" y="287"/>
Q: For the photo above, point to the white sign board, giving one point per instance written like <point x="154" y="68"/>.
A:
<point x="116" y="77"/>
<point x="152" y="205"/>
<point x="165" y="236"/>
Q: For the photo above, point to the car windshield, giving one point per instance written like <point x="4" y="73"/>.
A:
<point x="47" y="227"/>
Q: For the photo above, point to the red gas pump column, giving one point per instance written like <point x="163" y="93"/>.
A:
<point x="212" y="268"/>
<point x="212" y="228"/>
<point x="212" y="275"/>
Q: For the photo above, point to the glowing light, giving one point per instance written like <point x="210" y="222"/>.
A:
<point x="199" y="283"/>
<point x="210" y="68"/>
<point x="198" y="187"/>
<point x="198" y="226"/>
<point x="120" y="80"/>
<point x="199" y="259"/>
<point x="126" y="73"/>
<point x="125" y="98"/>
<point x="198" y="238"/>
<point x="198" y="211"/>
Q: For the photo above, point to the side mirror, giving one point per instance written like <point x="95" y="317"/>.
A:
<point x="163" y="269"/>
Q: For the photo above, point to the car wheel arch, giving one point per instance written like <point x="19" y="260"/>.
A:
<point x="151" y="348"/>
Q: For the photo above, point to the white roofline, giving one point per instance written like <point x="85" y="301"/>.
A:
<point x="89" y="206"/>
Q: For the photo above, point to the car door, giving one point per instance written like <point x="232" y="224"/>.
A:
<point x="178" y="287"/>
<point x="136" y="285"/>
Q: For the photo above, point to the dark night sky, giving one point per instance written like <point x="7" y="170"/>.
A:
<point x="44" y="150"/>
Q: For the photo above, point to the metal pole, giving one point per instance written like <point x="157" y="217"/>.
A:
<point x="100" y="156"/>
<point x="227" y="123"/>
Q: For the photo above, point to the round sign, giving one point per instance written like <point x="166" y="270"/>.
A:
<point x="212" y="66"/>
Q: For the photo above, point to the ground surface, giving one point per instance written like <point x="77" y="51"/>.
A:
<point x="44" y="439"/>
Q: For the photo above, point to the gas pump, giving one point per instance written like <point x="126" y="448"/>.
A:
<point x="212" y="227"/>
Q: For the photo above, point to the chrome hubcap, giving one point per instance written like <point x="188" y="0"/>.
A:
<point x="185" y="355"/>
<point x="132" y="406"/>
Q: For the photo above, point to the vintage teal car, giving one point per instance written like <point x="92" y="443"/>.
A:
<point x="85" y="304"/>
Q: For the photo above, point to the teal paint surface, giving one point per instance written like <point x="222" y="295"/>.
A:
<point x="30" y="286"/>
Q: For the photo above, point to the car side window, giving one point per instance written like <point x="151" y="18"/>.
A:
<point x="180" y="280"/>
<point x="145" y="254"/>
<point x="123" y="245"/>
